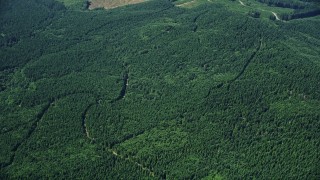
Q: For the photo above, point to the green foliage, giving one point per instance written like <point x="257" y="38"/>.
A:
<point x="302" y="9"/>
<point x="154" y="91"/>
<point x="272" y="17"/>
<point x="254" y="14"/>
<point x="294" y="4"/>
<point x="86" y="5"/>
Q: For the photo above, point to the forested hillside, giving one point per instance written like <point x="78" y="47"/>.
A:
<point x="302" y="8"/>
<point x="159" y="90"/>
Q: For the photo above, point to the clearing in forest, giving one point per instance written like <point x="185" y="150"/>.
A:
<point x="190" y="3"/>
<point x="109" y="4"/>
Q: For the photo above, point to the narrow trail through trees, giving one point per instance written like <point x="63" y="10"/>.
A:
<point x="110" y="149"/>
<point x="275" y="14"/>
<point x="30" y="132"/>
<point x="242" y="3"/>
<point x="247" y="63"/>
<point x="195" y="28"/>
<point x="84" y="125"/>
<point x="35" y="124"/>
<point x="124" y="88"/>
<point x="144" y="168"/>
<point x="85" y="129"/>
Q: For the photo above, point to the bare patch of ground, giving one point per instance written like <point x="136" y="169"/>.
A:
<point x="186" y="3"/>
<point x="110" y="4"/>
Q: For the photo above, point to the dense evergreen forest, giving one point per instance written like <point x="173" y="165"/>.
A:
<point x="302" y="8"/>
<point x="158" y="90"/>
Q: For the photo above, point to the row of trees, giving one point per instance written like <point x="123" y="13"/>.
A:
<point x="294" y="4"/>
<point x="301" y="9"/>
<point x="300" y="14"/>
<point x="206" y="103"/>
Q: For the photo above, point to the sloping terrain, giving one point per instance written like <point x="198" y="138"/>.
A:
<point x="109" y="4"/>
<point x="158" y="90"/>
